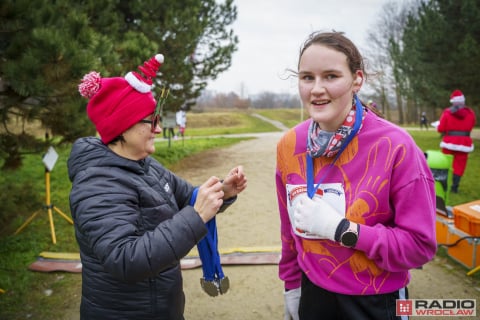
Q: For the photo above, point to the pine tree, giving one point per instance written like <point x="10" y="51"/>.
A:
<point x="442" y="51"/>
<point x="47" y="46"/>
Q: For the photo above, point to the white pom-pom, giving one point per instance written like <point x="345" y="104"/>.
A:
<point x="159" y="57"/>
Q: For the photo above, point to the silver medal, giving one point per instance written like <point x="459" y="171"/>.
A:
<point x="216" y="286"/>
<point x="210" y="287"/>
<point x="223" y="285"/>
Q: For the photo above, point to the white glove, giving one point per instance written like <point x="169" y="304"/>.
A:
<point x="292" y="301"/>
<point x="316" y="216"/>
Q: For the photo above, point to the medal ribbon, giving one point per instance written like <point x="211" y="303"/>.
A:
<point x="311" y="188"/>
<point x="208" y="249"/>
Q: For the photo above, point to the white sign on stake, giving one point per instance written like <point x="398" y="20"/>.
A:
<point x="50" y="158"/>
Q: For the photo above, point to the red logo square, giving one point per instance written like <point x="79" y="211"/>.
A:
<point x="404" y="307"/>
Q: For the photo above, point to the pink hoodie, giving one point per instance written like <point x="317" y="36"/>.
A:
<point x="387" y="188"/>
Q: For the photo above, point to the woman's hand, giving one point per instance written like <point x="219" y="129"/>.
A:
<point x="209" y="198"/>
<point x="234" y="183"/>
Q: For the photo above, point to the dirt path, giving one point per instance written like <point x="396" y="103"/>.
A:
<point x="255" y="291"/>
<point x="252" y="222"/>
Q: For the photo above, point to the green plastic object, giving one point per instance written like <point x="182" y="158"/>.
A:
<point x="441" y="166"/>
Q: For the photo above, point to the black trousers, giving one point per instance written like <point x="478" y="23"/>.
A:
<point x="317" y="303"/>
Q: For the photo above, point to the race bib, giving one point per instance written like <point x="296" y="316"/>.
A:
<point x="333" y="193"/>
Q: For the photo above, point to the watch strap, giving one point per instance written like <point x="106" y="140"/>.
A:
<point x="341" y="228"/>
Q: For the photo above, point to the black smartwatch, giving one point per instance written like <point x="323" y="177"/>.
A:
<point x="349" y="237"/>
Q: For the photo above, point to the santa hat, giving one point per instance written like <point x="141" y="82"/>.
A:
<point x="118" y="103"/>
<point x="457" y="97"/>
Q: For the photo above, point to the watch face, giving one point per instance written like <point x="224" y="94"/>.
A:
<point x="349" y="239"/>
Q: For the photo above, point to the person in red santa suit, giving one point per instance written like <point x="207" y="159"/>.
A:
<point x="455" y="125"/>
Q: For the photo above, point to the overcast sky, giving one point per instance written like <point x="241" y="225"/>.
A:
<point x="271" y="32"/>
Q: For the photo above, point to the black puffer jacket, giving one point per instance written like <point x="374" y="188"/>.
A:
<point x="133" y="224"/>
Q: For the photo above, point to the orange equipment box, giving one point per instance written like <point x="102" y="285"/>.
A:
<point x="465" y="251"/>
<point x="467" y="217"/>
<point x="442" y="225"/>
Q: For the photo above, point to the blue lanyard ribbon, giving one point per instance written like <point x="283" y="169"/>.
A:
<point x="208" y="249"/>
<point x="311" y="188"/>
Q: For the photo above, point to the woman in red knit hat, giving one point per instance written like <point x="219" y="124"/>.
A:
<point x="134" y="219"/>
<point x="456" y="123"/>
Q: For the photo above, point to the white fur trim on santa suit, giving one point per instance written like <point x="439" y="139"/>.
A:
<point x="456" y="147"/>
<point x="458" y="99"/>
<point x="137" y="84"/>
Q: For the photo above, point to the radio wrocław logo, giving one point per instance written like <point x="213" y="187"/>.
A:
<point x="437" y="307"/>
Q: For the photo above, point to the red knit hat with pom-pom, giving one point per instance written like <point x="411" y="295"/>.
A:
<point x="118" y="103"/>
